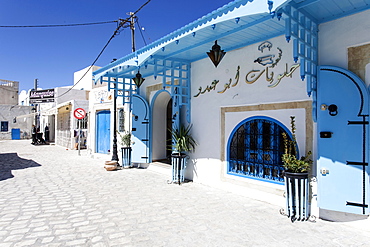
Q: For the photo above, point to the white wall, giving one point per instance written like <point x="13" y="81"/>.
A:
<point x="159" y="120"/>
<point x="102" y="99"/>
<point x="336" y="36"/>
<point x="22" y="115"/>
<point x="84" y="81"/>
<point x="74" y="94"/>
<point x="206" y="164"/>
<point x="206" y="108"/>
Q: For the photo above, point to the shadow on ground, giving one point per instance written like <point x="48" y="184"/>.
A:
<point x="11" y="161"/>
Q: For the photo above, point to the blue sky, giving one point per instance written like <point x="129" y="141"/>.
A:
<point x="53" y="54"/>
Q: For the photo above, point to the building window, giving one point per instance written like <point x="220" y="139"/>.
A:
<point x="121" y="119"/>
<point x="4" y="126"/>
<point x="64" y="121"/>
<point x="255" y="149"/>
<point x="82" y="123"/>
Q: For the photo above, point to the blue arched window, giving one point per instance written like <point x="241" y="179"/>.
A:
<point x="255" y="148"/>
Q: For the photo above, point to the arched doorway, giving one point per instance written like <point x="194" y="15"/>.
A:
<point x="161" y="123"/>
<point x="343" y="142"/>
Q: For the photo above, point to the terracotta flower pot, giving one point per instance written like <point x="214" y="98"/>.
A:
<point x="110" y="165"/>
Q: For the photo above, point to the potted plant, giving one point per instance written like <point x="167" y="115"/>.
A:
<point x="182" y="142"/>
<point x="295" y="177"/>
<point x="126" y="149"/>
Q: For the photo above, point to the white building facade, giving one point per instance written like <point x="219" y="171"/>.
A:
<point x="239" y="108"/>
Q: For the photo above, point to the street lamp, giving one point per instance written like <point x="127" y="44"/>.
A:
<point x="115" y="152"/>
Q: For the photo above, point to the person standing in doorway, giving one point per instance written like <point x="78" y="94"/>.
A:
<point x="33" y="131"/>
<point x="47" y="133"/>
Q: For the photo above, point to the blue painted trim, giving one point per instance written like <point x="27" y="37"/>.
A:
<point x="303" y="30"/>
<point x="360" y="85"/>
<point x="355" y="11"/>
<point x="149" y="118"/>
<point x="180" y="93"/>
<point x="255" y="178"/>
<point x="213" y="15"/>
<point x="233" y="133"/>
<point x="211" y="39"/>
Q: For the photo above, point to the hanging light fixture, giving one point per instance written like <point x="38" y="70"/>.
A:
<point x="138" y="79"/>
<point x="216" y="54"/>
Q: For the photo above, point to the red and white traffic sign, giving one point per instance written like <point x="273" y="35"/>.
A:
<point x="79" y="113"/>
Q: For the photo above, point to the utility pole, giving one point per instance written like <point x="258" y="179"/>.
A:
<point x="115" y="152"/>
<point x="132" y="27"/>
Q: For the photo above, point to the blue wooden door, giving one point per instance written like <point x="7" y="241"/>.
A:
<point x="343" y="128"/>
<point x="16" y="134"/>
<point x="140" y="130"/>
<point x="103" y="132"/>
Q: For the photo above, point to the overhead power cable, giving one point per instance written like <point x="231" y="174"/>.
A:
<point x="62" y="25"/>
<point x="141" y="31"/>
<point x="96" y="59"/>
<point x="121" y="24"/>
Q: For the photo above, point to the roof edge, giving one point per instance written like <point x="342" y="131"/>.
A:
<point x="187" y="28"/>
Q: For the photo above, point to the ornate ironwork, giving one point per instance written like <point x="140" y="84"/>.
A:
<point x="256" y="149"/>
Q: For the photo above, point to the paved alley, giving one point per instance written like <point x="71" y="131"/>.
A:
<point x="50" y="196"/>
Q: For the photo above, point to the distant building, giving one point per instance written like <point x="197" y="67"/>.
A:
<point x="8" y="92"/>
<point x="13" y="126"/>
<point x="16" y="122"/>
<point x="57" y="114"/>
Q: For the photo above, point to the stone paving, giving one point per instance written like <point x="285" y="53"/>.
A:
<point x="50" y="196"/>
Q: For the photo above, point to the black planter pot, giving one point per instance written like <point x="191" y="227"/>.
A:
<point x="297" y="196"/>
<point x="178" y="162"/>
<point x="126" y="157"/>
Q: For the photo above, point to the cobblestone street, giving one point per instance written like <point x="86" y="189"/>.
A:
<point x="50" y="196"/>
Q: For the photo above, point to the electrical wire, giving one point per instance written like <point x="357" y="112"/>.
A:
<point x="121" y="24"/>
<point x="140" y="29"/>
<point x="142" y="6"/>
<point x="61" y="25"/>
<point x="96" y="59"/>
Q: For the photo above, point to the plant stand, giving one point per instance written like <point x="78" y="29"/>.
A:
<point x="296" y="193"/>
<point x="178" y="162"/>
<point x="126" y="157"/>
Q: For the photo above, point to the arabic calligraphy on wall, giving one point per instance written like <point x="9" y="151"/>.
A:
<point x="102" y="96"/>
<point x="267" y="61"/>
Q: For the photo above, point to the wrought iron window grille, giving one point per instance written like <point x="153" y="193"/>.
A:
<point x="255" y="150"/>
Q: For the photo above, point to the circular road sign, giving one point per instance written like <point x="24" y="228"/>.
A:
<point x="79" y="113"/>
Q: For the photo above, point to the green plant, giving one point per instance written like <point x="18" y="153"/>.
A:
<point x="182" y="139"/>
<point x="125" y="139"/>
<point x="290" y="161"/>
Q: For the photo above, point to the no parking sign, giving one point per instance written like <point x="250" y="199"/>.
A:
<point x="79" y="113"/>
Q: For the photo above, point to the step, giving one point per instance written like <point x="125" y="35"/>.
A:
<point x="160" y="167"/>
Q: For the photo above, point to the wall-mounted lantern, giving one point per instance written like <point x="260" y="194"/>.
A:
<point x="216" y="54"/>
<point x="138" y="79"/>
